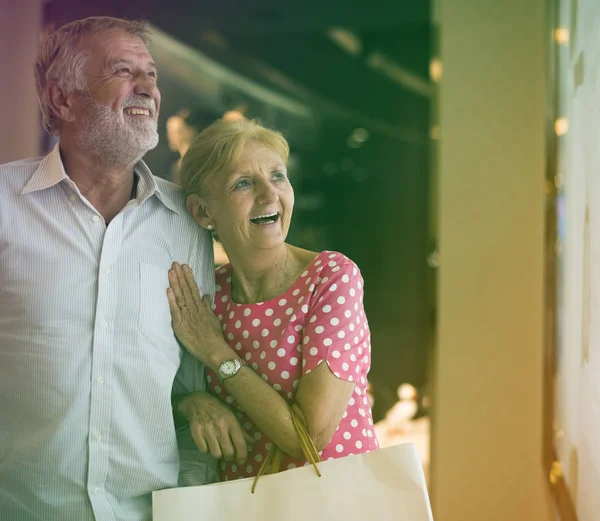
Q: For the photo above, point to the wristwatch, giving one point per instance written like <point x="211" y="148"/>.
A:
<point x="230" y="368"/>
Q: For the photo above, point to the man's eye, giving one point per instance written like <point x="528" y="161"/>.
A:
<point x="279" y="176"/>
<point x="124" y="70"/>
<point x="152" y="74"/>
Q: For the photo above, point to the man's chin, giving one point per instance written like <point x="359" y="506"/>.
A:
<point x="153" y="143"/>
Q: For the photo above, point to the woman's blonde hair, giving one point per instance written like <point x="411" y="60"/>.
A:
<point x="218" y="147"/>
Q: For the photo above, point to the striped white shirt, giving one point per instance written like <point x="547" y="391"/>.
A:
<point x="88" y="358"/>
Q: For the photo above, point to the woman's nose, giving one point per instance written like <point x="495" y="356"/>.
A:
<point x="266" y="193"/>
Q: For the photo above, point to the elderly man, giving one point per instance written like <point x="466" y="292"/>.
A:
<point x="88" y="358"/>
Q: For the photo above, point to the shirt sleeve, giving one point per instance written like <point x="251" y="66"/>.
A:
<point x="337" y="331"/>
<point x="196" y="468"/>
<point x="190" y="376"/>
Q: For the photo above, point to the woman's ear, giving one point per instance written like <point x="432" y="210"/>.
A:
<point x="196" y="207"/>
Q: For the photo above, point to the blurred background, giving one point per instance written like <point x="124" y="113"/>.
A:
<point x="433" y="180"/>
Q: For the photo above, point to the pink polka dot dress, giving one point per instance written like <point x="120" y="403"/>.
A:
<point x="320" y="318"/>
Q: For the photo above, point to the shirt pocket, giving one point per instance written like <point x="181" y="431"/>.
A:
<point x="155" y="315"/>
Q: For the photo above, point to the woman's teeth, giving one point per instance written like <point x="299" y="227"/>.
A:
<point x="265" y="219"/>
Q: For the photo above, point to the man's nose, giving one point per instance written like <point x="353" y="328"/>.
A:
<point x="144" y="85"/>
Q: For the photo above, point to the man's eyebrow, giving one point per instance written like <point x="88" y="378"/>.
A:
<point x="119" y="61"/>
<point x="116" y="61"/>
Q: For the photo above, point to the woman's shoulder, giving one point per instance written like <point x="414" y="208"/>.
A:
<point x="328" y="263"/>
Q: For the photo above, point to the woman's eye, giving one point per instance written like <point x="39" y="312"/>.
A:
<point x="279" y="176"/>
<point x="242" y="183"/>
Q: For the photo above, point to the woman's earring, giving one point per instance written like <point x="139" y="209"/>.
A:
<point x="209" y="226"/>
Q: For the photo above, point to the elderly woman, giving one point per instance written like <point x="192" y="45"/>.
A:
<point x="290" y="325"/>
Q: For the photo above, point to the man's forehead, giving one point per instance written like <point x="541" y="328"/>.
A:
<point x="113" y="44"/>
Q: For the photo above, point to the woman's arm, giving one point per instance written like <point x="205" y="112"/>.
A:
<point x="322" y="396"/>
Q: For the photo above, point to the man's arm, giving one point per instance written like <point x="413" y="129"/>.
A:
<point x="196" y="467"/>
<point x="207" y="430"/>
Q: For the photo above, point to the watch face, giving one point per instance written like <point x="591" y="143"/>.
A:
<point x="228" y="367"/>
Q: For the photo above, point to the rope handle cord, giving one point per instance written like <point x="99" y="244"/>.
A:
<point x="275" y="456"/>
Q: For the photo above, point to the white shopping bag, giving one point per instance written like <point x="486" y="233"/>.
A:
<point x="383" y="485"/>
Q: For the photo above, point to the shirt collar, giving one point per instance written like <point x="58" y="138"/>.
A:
<point x="51" y="171"/>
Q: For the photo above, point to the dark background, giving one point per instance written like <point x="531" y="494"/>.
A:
<point x="369" y="200"/>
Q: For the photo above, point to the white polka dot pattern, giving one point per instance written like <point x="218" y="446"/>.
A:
<point x="316" y="320"/>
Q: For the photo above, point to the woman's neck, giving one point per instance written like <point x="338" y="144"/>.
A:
<point x="259" y="278"/>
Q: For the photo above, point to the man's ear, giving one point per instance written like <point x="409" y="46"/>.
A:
<point x="196" y="207"/>
<point x="60" y="102"/>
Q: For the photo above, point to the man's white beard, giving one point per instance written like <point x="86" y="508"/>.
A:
<point x="115" y="142"/>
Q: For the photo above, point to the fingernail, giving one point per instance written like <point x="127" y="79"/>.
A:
<point x="186" y="267"/>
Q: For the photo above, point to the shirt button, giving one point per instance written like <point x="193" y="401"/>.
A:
<point x="104" y="324"/>
<point x="95" y="218"/>
<point x="107" y="271"/>
<point x="100" y="380"/>
<point x="72" y="197"/>
<point x="96" y="490"/>
<point x="97" y="435"/>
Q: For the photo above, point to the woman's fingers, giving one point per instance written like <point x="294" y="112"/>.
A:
<point x="195" y="292"/>
<point x="207" y="303"/>
<point x="176" y="287"/>
<point x="175" y="311"/>
<point x="183" y="285"/>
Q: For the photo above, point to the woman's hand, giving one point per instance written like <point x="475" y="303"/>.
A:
<point x="194" y="323"/>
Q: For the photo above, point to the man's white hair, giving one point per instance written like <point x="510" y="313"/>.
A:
<point x="62" y="59"/>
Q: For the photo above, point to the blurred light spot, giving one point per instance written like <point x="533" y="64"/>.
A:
<point x="434" y="132"/>
<point x="561" y="126"/>
<point x="360" y="135"/>
<point x="233" y="115"/>
<point x="433" y="259"/>
<point x="561" y="35"/>
<point x="406" y="392"/>
<point x="346" y="40"/>
<point x="558" y="181"/>
<point x="394" y="71"/>
<point x="352" y="143"/>
<point x="435" y="70"/>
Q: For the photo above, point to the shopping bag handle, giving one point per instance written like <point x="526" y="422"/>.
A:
<point x="275" y="456"/>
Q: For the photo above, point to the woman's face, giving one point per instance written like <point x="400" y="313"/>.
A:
<point x="251" y="208"/>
